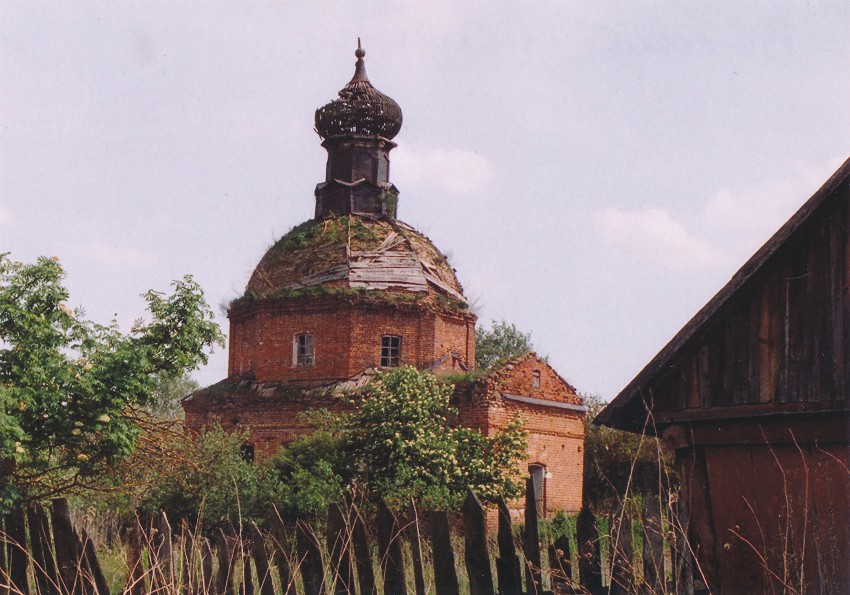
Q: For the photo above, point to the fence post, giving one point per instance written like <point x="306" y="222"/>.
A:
<point x="445" y="575"/>
<point x="226" y="563"/>
<point x="207" y="554"/>
<point x="339" y="539"/>
<point x="389" y="538"/>
<point x="362" y="554"/>
<point x="261" y="560"/>
<point x="282" y="553"/>
<point x="312" y="573"/>
<point x="244" y="543"/>
<point x="19" y="559"/>
<point x="4" y="566"/>
<point x="45" y="566"/>
<point x="69" y="555"/>
<point x="531" y="542"/>
<point x="136" y="583"/>
<point x="683" y="571"/>
<point x="589" y="556"/>
<point x="508" y="572"/>
<point x="622" y="555"/>
<point x="653" y="547"/>
<point x="415" y="538"/>
<point x="560" y="565"/>
<point x="476" y="553"/>
<point x="93" y="564"/>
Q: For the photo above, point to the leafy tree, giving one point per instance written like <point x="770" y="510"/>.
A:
<point x="308" y="475"/>
<point x="615" y="461"/>
<point x="402" y="444"/>
<point x="500" y="342"/>
<point x="68" y="386"/>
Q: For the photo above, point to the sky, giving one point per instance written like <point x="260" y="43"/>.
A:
<point x="595" y="171"/>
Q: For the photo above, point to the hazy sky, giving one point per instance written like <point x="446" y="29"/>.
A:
<point x="595" y="171"/>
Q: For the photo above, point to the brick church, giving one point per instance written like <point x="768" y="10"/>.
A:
<point x="354" y="291"/>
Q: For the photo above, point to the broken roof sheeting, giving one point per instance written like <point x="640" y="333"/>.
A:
<point x="393" y="257"/>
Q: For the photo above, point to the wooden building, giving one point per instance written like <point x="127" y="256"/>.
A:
<point x="752" y="396"/>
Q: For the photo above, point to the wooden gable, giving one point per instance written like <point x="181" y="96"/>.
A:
<point x="773" y="340"/>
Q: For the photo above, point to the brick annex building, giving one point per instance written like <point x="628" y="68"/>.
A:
<point x="353" y="291"/>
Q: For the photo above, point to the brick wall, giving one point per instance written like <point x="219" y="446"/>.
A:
<point x="346" y="339"/>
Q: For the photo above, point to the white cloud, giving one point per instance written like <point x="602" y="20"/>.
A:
<point x="456" y="171"/>
<point x="112" y="256"/>
<point x="654" y="234"/>
<point x="6" y="217"/>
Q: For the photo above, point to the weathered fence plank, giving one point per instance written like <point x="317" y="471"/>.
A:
<point x="136" y="584"/>
<point x="476" y="552"/>
<point x="445" y="573"/>
<point x="186" y="552"/>
<point x="531" y="543"/>
<point x="261" y="561"/>
<point x="69" y="555"/>
<point x="560" y="565"/>
<point x="622" y="555"/>
<point x="44" y="565"/>
<point x="207" y="577"/>
<point x="282" y="552"/>
<point x="362" y="554"/>
<point x="508" y="570"/>
<point x="310" y="556"/>
<point x="246" y="587"/>
<point x="339" y="540"/>
<point x="19" y="560"/>
<point x="589" y="556"/>
<point x="93" y="565"/>
<point x="389" y="548"/>
<point x="4" y="565"/>
<point x="653" y="547"/>
<point x="224" y="580"/>
<point x="162" y="558"/>
<point x="414" y="537"/>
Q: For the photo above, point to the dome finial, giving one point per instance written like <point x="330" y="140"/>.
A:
<point x="360" y="67"/>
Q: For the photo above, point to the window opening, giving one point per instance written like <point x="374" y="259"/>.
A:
<point x="390" y="351"/>
<point x="535" y="379"/>
<point x="538" y="481"/>
<point x="302" y="350"/>
<point x="247" y="452"/>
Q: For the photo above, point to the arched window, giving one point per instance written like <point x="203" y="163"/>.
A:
<point x="538" y="481"/>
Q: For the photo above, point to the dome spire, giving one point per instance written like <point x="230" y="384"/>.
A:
<point x="357" y="131"/>
<point x="360" y="66"/>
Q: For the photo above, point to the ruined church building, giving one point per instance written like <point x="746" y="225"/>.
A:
<point x="354" y="291"/>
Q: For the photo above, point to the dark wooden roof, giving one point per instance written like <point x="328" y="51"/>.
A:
<point x="628" y="410"/>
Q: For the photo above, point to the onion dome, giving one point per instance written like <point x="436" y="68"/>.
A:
<point x="361" y="109"/>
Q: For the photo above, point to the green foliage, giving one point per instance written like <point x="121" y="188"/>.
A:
<point x="617" y="460"/>
<point x="402" y="445"/>
<point x="66" y="383"/>
<point x="307" y="475"/>
<point x="168" y="393"/>
<point x="206" y="475"/>
<point x="389" y="198"/>
<point x="499" y="343"/>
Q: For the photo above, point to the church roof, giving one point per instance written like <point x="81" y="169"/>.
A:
<point x="356" y="252"/>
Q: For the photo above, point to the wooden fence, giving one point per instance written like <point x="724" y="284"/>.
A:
<point x="412" y="552"/>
